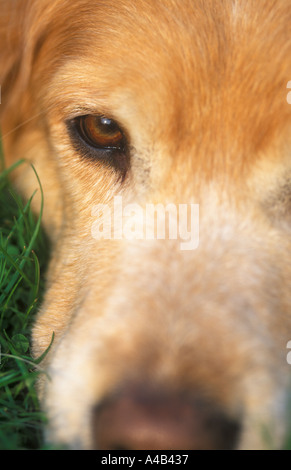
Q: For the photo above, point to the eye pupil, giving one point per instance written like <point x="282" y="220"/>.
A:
<point x="109" y="126"/>
<point x="100" y="132"/>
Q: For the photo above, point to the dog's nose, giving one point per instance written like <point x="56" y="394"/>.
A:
<point x="138" y="419"/>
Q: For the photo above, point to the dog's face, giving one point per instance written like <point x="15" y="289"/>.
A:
<point x="169" y="102"/>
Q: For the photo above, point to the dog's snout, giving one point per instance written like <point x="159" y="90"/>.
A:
<point x="140" y="419"/>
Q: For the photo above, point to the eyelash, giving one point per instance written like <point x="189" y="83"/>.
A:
<point x="114" y="156"/>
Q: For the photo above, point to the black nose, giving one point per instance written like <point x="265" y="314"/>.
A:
<point x="138" y="418"/>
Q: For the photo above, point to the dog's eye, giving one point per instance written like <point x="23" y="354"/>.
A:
<point x="99" y="138"/>
<point x="100" y="132"/>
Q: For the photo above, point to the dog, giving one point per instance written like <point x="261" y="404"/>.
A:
<point x="175" y="102"/>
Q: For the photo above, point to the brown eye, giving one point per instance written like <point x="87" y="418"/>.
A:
<point x="98" y="138"/>
<point x="100" y="132"/>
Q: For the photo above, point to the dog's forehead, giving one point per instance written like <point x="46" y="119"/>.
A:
<point x="180" y="73"/>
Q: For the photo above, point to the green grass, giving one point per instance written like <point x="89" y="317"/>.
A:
<point x="23" y="257"/>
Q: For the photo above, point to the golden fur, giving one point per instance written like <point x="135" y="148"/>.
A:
<point x="200" y="88"/>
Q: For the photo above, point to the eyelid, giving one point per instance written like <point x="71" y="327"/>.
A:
<point x="116" y="158"/>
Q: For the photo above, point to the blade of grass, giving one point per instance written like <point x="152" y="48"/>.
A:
<point x="29" y="248"/>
